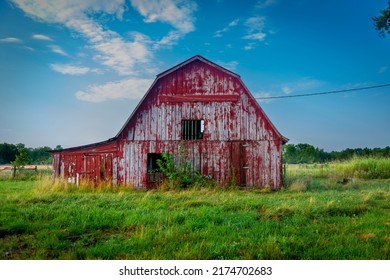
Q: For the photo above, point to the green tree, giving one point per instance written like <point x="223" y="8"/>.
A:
<point x="290" y="154"/>
<point x="39" y="155"/>
<point x="21" y="159"/>
<point x="301" y="153"/>
<point x="304" y="153"/>
<point x="8" y="153"/>
<point x="382" y="22"/>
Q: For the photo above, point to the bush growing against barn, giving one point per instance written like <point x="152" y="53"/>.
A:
<point x="178" y="176"/>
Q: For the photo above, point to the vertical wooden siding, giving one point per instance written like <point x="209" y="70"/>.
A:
<point x="239" y="143"/>
<point x="95" y="164"/>
<point x="156" y="128"/>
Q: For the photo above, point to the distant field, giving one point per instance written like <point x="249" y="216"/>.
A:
<point x="28" y="172"/>
<point x="31" y="166"/>
<point x="318" y="216"/>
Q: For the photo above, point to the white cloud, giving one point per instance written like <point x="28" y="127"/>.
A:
<point x="255" y="24"/>
<point x="71" y="69"/>
<point x="260" y="36"/>
<point x="263" y="94"/>
<point x="234" y="23"/>
<point x="41" y="37"/>
<point x="131" y="88"/>
<point x="287" y="89"/>
<point x="11" y="40"/>
<point x="175" y="12"/>
<point x="60" y="11"/>
<point x="231" y="65"/>
<point x="28" y="48"/>
<point x="250" y="46"/>
<point x="122" y="55"/>
<point x="112" y="50"/>
<point x="383" y="69"/>
<point x="219" y="33"/>
<point x="302" y="85"/>
<point x="255" y="27"/>
<point x="261" y="4"/>
<point x="125" y="55"/>
<point x="168" y="40"/>
<point x="57" y="49"/>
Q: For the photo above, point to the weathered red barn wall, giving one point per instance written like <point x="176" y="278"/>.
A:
<point x="238" y="138"/>
<point x="93" y="163"/>
<point x="239" y="142"/>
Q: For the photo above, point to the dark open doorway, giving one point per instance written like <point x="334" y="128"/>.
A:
<point x="154" y="176"/>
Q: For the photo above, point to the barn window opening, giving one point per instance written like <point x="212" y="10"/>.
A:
<point x="192" y="129"/>
<point x="152" y="162"/>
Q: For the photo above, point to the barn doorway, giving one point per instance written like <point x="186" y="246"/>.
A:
<point x="239" y="163"/>
<point x="154" y="174"/>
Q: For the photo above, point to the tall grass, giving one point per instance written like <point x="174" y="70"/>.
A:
<point x="318" y="215"/>
<point x="340" y="223"/>
<point x="300" y="176"/>
<point x="46" y="184"/>
<point x="365" y="168"/>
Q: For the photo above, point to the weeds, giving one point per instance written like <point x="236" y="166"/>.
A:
<point x="179" y="176"/>
<point x="45" y="184"/>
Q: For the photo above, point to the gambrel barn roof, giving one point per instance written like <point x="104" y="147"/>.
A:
<point x="198" y="96"/>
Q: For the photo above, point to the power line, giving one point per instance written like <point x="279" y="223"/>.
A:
<point x="324" y="92"/>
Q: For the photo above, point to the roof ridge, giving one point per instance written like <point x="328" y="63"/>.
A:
<point x="195" y="57"/>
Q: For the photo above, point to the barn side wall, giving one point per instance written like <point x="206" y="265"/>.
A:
<point x="245" y="163"/>
<point x="97" y="164"/>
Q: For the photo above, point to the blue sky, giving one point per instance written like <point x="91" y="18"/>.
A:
<point x="71" y="71"/>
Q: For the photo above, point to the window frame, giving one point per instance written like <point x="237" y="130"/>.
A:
<point x="192" y="129"/>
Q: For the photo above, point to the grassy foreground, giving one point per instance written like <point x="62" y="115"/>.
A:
<point x="319" y="219"/>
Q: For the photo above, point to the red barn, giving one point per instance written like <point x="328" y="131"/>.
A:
<point x="197" y="110"/>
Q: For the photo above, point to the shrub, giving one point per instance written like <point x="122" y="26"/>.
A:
<point x="179" y="176"/>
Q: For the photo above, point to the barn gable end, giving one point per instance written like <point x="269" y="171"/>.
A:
<point x="207" y="111"/>
<point x="199" y="81"/>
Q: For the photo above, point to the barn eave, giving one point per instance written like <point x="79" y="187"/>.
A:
<point x="86" y="147"/>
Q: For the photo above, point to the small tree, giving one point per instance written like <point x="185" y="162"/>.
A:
<point x="21" y="159"/>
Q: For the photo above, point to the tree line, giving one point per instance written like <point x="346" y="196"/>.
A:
<point x="10" y="152"/>
<point x="306" y="153"/>
<point x="292" y="153"/>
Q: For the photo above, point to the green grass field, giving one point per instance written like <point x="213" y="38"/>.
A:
<point x="318" y="216"/>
